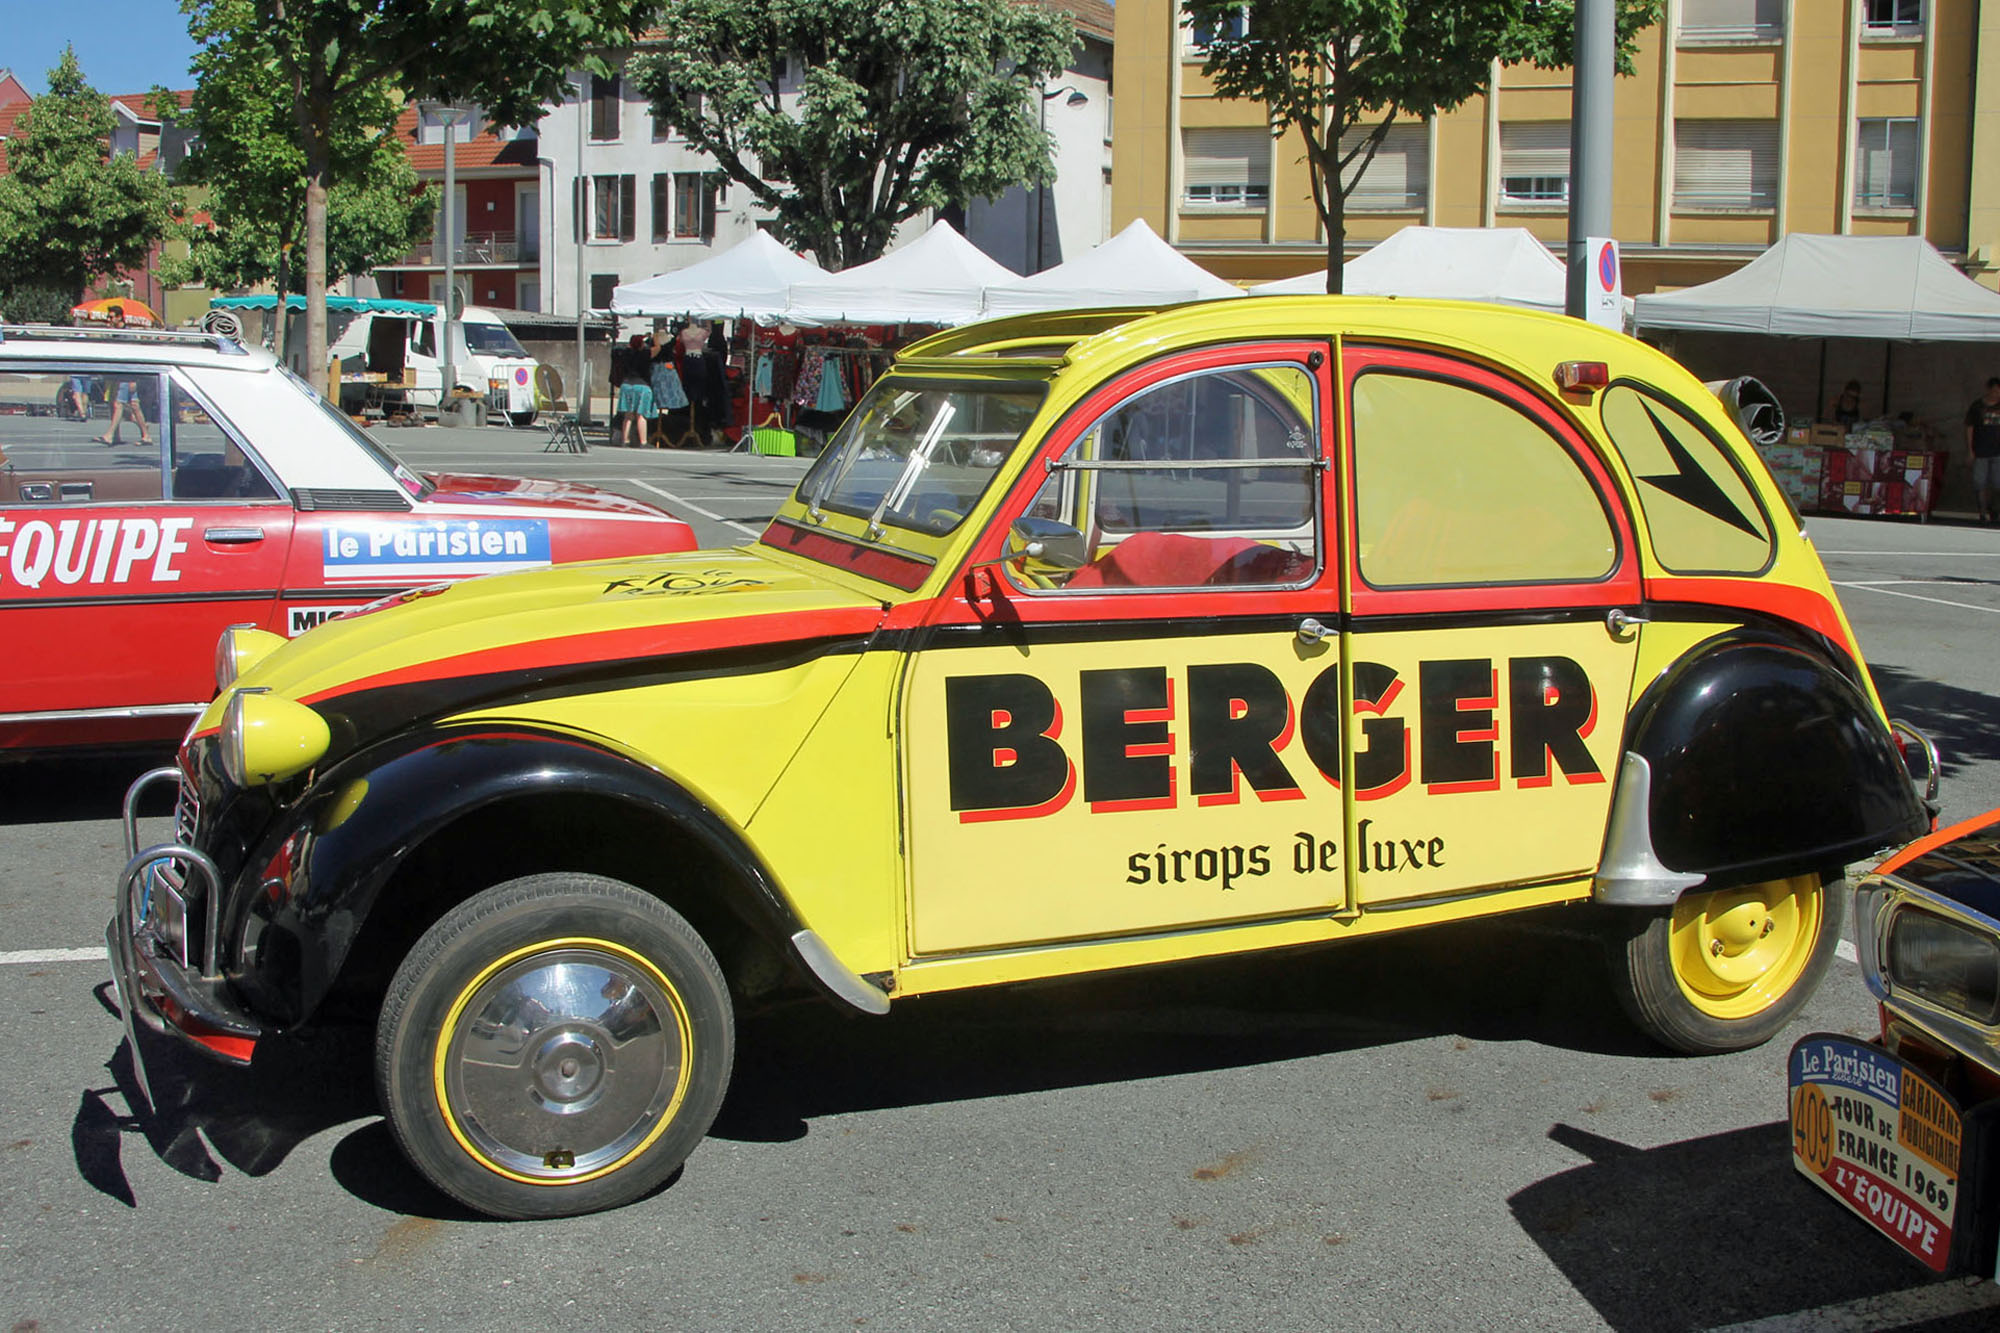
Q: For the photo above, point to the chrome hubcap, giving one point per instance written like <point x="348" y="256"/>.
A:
<point x="564" y="1062"/>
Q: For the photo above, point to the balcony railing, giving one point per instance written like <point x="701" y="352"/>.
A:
<point x="498" y="247"/>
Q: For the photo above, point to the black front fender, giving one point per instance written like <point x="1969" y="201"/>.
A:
<point x="310" y="887"/>
<point x="1768" y="760"/>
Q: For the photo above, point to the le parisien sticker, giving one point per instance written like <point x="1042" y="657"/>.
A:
<point x="1880" y="1137"/>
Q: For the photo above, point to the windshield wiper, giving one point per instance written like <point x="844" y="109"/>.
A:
<point x="919" y="459"/>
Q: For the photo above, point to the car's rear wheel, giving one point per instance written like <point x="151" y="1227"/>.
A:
<point x="1725" y="970"/>
<point x="557" y="1044"/>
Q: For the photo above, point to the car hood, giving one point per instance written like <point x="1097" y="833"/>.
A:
<point x="518" y="492"/>
<point x="600" y="625"/>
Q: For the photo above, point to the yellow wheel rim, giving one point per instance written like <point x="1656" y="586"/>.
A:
<point x="1736" y="952"/>
<point x="549" y="1066"/>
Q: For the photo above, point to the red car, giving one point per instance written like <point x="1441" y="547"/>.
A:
<point x="158" y="488"/>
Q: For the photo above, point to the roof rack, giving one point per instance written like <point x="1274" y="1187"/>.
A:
<point x="213" y="342"/>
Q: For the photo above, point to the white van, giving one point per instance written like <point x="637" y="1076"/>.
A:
<point x="486" y="359"/>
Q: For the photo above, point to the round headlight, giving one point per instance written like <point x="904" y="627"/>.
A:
<point x="265" y="738"/>
<point x="240" y="648"/>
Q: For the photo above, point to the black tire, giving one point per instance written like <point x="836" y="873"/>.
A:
<point x="522" y="420"/>
<point x="555" y="1045"/>
<point x="1726" y="970"/>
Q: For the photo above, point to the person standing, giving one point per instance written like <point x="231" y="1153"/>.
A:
<point x="1982" y="445"/>
<point x="635" y="393"/>
<point x="1846" y="409"/>
<point x="126" y="396"/>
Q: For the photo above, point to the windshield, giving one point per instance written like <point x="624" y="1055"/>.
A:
<point x="919" y="456"/>
<point x="492" y="340"/>
<point x="406" y="478"/>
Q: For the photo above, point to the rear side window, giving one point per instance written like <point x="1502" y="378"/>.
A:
<point x="1700" y="512"/>
<point x="80" y="436"/>
<point x="1454" y="486"/>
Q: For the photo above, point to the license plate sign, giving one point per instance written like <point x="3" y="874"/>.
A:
<point x="1879" y="1136"/>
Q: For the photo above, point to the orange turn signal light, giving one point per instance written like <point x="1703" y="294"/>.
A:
<point x="1584" y="376"/>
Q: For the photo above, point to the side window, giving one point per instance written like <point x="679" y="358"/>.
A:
<point x="423" y="340"/>
<point x="1454" y="486"/>
<point x="76" y="437"/>
<point x="208" y="464"/>
<point x="1210" y="480"/>
<point x="1700" y="512"/>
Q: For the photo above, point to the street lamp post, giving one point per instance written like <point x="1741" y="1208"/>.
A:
<point x="450" y="115"/>
<point x="578" y="201"/>
<point x="1041" y="195"/>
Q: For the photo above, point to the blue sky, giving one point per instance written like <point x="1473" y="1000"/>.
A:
<point x="125" y="46"/>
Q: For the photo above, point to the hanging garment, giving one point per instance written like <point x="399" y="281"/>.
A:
<point x="806" y="393"/>
<point x="668" y="394"/>
<point x="832" y="395"/>
<point x="760" y="382"/>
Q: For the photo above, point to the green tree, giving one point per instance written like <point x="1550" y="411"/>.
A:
<point x="511" y="57"/>
<point x="250" y="168"/>
<point x="892" y="106"/>
<point x="69" y="211"/>
<point x="1329" y="68"/>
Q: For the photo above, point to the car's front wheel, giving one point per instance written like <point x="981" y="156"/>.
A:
<point x="1725" y="970"/>
<point x="557" y="1044"/>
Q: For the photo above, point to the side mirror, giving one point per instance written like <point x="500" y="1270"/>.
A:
<point x="1046" y="542"/>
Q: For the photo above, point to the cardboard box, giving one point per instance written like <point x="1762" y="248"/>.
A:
<point x="1828" y="433"/>
<point x="1799" y="434"/>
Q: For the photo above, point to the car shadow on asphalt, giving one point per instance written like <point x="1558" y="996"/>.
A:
<point x="1527" y="978"/>
<point x="1519" y="979"/>
<point x="65" y="789"/>
<point x="1710" y="1232"/>
<point x="1964" y="724"/>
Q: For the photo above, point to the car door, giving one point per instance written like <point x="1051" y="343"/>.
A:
<point x="1105" y="739"/>
<point x="1490" y="567"/>
<point x="121" y="564"/>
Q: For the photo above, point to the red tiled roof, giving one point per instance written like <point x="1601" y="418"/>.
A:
<point x="136" y="103"/>
<point x="483" y="152"/>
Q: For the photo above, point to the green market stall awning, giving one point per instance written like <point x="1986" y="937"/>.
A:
<point x="356" y="304"/>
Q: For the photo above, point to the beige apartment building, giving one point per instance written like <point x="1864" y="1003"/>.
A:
<point x="1743" y="120"/>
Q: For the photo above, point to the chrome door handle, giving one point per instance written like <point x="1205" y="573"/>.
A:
<point x="1620" y="624"/>
<point x="1311" y="631"/>
<point x="232" y="536"/>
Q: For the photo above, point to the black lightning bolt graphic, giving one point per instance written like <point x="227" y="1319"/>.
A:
<point x="1690" y="483"/>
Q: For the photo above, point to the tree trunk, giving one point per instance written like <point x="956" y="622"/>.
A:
<point x="314" y="368"/>
<point x="278" y="320"/>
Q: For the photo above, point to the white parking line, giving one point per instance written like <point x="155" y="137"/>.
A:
<point x="1918" y="597"/>
<point x="91" y="955"/>
<point x="705" y="513"/>
<point x="1918" y="1304"/>
<point x="1844" y="950"/>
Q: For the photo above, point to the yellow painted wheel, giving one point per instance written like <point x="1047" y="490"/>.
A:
<point x="1726" y="969"/>
<point x="1737" y="950"/>
<point x="555" y="1045"/>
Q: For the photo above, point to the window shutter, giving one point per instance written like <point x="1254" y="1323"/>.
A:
<point x="1227" y="164"/>
<point x="1534" y="162"/>
<point x="663" y="222"/>
<point x="1724" y="20"/>
<point x="1725" y="163"/>
<point x="579" y="200"/>
<point x="1400" y="175"/>
<point x="628" y="208"/>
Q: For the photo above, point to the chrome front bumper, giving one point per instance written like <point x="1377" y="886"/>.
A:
<point x="155" y="980"/>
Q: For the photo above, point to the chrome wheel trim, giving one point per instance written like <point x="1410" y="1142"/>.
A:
<point x="563" y="1063"/>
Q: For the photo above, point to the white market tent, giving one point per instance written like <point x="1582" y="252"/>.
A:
<point x="1501" y="265"/>
<point x="1892" y="287"/>
<point x="939" y="278"/>
<point x="1133" y="268"/>
<point x="751" y="280"/>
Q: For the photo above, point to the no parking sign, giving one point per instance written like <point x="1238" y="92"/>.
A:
<point x="1606" y="302"/>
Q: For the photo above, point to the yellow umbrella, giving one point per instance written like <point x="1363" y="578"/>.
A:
<point x="138" y="314"/>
